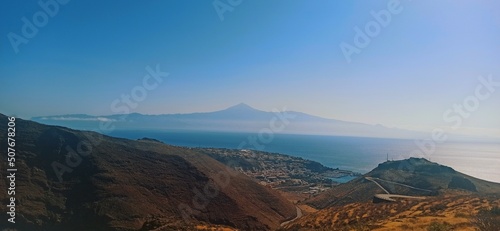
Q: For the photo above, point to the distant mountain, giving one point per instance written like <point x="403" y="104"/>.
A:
<point x="74" y="180"/>
<point x="239" y="118"/>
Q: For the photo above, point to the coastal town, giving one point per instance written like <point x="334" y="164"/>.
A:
<point x="283" y="172"/>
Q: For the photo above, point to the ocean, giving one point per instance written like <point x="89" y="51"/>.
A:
<point x="359" y="154"/>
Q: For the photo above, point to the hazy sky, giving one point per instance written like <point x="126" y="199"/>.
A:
<point x="268" y="54"/>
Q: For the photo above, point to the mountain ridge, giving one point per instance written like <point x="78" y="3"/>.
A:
<point x="237" y="118"/>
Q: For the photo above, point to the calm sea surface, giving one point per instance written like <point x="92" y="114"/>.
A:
<point x="358" y="154"/>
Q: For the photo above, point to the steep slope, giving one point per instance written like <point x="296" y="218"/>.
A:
<point x="119" y="184"/>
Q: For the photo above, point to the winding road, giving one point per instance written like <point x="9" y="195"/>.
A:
<point x="387" y="196"/>
<point x="405" y="185"/>
<point x="390" y="197"/>
<point x="299" y="215"/>
<point x="380" y="186"/>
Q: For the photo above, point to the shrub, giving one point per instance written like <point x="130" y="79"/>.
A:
<point x="436" y="226"/>
<point x="462" y="183"/>
<point x="487" y="220"/>
<point x="438" y="207"/>
<point x="461" y="215"/>
<point x="495" y="211"/>
<point x="404" y="227"/>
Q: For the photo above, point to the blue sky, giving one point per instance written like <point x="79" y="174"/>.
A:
<point x="268" y="54"/>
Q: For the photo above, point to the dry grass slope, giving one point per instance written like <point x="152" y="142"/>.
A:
<point x="451" y="201"/>
<point x="454" y="209"/>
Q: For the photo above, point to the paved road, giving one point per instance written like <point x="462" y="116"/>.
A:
<point x="380" y="186"/>
<point x="388" y="196"/>
<point x="405" y="185"/>
<point x="299" y="215"/>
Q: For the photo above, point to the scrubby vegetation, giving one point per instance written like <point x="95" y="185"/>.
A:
<point x="462" y="183"/>
<point x="436" y="226"/>
<point x="487" y="220"/>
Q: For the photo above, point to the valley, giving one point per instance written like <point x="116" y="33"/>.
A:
<point x="144" y="184"/>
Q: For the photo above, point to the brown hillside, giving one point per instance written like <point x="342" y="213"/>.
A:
<point x="129" y="185"/>
<point x="422" y="196"/>
<point x="425" y="178"/>
<point x="454" y="210"/>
